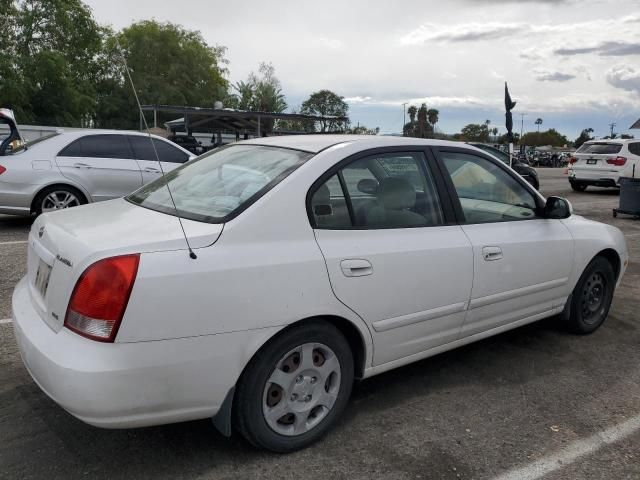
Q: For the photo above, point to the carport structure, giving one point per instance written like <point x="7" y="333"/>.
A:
<point x="218" y="120"/>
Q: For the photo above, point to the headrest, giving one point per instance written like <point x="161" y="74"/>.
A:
<point x="396" y="194"/>
<point x="322" y="196"/>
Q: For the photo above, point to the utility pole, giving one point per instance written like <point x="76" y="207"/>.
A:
<point x="404" y="116"/>
<point x="611" y="125"/>
<point x="522" y="115"/>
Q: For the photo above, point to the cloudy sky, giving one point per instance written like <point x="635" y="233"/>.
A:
<point x="574" y="63"/>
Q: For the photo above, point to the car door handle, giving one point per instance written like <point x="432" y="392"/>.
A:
<point x="151" y="170"/>
<point x="491" y="253"/>
<point x="356" y="267"/>
<point x="81" y="165"/>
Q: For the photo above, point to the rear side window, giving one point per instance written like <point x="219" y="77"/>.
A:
<point x="602" y="148"/>
<point x="634" y="148"/>
<point x="381" y="191"/>
<point x="143" y="150"/>
<point x="99" y="146"/>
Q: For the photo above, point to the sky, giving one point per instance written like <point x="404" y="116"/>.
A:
<point x="573" y="63"/>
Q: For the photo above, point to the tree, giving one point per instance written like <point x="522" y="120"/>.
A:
<point x="494" y="132"/>
<point x="325" y="103"/>
<point x="550" y="137"/>
<point x="168" y="65"/>
<point x="585" y="136"/>
<point x="475" y="132"/>
<point x="432" y="117"/>
<point x="538" y="122"/>
<point x="49" y="67"/>
<point x="412" y="111"/>
<point x="362" y="130"/>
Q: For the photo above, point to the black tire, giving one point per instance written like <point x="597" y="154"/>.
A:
<point x="578" y="187"/>
<point x="252" y="389"/>
<point x="38" y="202"/>
<point x="591" y="298"/>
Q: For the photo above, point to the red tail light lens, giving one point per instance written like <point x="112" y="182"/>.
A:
<point x="2" y="169"/>
<point x="617" y="161"/>
<point x="572" y="160"/>
<point x="100" y="297"/>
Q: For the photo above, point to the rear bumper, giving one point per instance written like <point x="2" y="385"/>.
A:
<point x="128" y="384"/>
<point x="16" y="198"/>
<point x="594" y="177"/>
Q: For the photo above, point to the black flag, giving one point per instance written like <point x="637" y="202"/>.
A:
<point x="508" y="105"/>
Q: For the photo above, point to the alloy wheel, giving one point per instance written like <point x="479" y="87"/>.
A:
<point x="58" y="200"/>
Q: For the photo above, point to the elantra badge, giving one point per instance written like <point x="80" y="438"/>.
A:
<point x="40" y="232"/>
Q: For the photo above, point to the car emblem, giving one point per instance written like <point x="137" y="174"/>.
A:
<point x="40" y="232"/>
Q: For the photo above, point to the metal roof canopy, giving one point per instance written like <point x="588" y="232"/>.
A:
<point x="207" y="120"/>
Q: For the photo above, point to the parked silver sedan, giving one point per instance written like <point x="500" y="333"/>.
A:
<point x="71" y="168"/>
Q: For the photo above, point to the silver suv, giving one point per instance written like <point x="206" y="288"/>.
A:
<point x="76" y="167"/>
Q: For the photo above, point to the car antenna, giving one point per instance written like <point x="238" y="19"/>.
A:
<point x="146" y="126"/>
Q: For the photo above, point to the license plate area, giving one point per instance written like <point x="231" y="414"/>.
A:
<point x="43" y="275"/>
<point x="592" y="161"/>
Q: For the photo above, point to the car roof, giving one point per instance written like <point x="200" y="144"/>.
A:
<point x="317" y="143"/>
<point x="614" y="140"/>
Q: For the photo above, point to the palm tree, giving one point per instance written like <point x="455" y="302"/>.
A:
<point x="432" y="117"/>
<point x="422" y="120"/>
<point x="494" y="130"/>
<point x="412" y="111"/>
<point x="538" y="122"/>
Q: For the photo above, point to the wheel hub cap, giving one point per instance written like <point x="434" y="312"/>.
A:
<point x="302" y="389"/>
<point x="593" y="297"/>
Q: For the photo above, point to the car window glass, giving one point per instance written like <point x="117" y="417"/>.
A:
<point x="486" y="191"/>
<point x="143" y="150"/>
<point x="634" y="148"/>
<point x="74" y="149"/>
<point x="600" y="148"/>
<point x="105" y="146"/>
<point x="329" y="207"/>
<point x="388" y="191"/>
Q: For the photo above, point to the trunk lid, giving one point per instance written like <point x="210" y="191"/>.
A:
<point x="63" y="244"/>
<point x="594" y="156"/>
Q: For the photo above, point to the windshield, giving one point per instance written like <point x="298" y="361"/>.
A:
<point x="220" y="184"/>
<point x="600" y="148"/>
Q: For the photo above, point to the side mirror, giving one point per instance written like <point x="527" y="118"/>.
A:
<point x="558" y="208"/>
<point x="368" y="186"/>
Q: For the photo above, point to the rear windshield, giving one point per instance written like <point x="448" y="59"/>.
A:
<point x="217" y="186"/>
<point x="600" y="148"/>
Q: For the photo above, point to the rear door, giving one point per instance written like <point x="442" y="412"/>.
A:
<point x="170" y="156"/>
<point x="103" y="164"/>
<point x="522" y="262"/>
<point x="393" y="253"/>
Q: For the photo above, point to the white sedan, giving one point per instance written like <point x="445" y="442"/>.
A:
<point x="316" y="260"/>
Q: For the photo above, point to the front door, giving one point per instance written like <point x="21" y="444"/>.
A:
<point x="522" y="262"/>
<point x="392" y="255"/>
<point x="102" y="164"/>
<point x="148" y="154"/>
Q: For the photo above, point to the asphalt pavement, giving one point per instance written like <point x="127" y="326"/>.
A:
<point x="531" y="403"/>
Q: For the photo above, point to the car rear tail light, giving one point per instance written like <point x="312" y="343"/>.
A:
<point x="572" y="160"/>
<point x="617" y="161"/>
<point x="2" y="169"/>
<point x="100" y="297"/>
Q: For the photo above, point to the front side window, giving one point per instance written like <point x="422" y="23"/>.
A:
<point x="220" y="184"/>
<point x="144" y="150"/>
<point x="486" y="191"/>
<point x="381" y="191"/>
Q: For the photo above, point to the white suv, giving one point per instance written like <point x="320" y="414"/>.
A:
<point x="603" y="162"/>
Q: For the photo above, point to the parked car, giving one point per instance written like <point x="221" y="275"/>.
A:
<point x="527" y="172"/>
<point x="311" y="261"/>
<point x="71" y="168"/>
<point x="188" y="142"/>
<point x="602" y="162"/>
